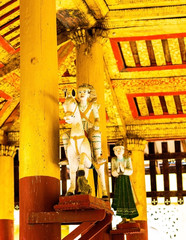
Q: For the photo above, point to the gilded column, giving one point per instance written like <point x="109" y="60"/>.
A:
<point x="90" y="69"/>
<point x="39" y="117"/>
<point x="137" y="147"/>
<point x="7" y="192"/>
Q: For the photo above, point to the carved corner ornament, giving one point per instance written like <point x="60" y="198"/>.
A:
<point x="136" y="144"/>
<point x="8" y="151"/>
<point x="88" y="37"/>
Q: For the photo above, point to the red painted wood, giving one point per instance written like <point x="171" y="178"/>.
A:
<point x="156" y="94"/>
<point x="9" y="13"/>
<point x="118" y="237"/>
<point x="6" y="45"/>
<point x="12" y="39"/>
<point x="7" y="4"/>
<point x="132" y="105"/>
<point x="151" y="37"/>
<point x="144" y="232"/>
<point x="130" y="227"/>
<point x="9" y="100"/>
<point x="134" y="111"/>
<point x="6" y="229"/>
<point x="97" y="228"/>
<point x="117" y="54"/>
<point x="156" y="68"/>
<point x="38" y="194"/>
<point x="11" y="31"/>
<point x="67" y="217"/>
<point x="81" y="229"/>
<point x="78" y="202"/>
<point x="10" y="22"/>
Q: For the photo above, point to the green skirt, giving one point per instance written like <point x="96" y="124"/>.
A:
<point x="123" y="201"/>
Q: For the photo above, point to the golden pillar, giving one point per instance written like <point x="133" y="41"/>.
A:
<point x="90" y="70"/>
<point x="7" y="192"/>
<point x="39" y="117"/>
<point x="137" y="147"/>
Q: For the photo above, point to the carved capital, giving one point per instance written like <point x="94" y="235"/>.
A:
<point x="88" y="36"/>
<point x="6" y="150"/>
<point x="136" y="144"/>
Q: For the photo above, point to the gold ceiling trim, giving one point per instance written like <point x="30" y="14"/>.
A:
<point x="148" y="13"/>
<point x="122" y="4"/>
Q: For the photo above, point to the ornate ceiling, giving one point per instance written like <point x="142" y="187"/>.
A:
<point x="145" y="64"/>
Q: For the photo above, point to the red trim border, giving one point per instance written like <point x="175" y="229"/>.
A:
<point x="119" y="59"/>
<point x="130" y="98"/>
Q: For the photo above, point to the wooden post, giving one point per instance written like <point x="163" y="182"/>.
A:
<point x="137" y="147"/>
<point x="7" y="192"/>
<point x="90" y="69"/>
<point x="153" y="174"/>
<point x="39" y="117"/>
<point x="166" y="174"/>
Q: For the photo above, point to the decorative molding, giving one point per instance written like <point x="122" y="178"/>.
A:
<point x="136" y="144"/>
<point x="158" y="131"/>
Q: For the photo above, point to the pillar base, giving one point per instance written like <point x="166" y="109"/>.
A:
<point x="6" y="229"/>
<point x="38" y="194"/>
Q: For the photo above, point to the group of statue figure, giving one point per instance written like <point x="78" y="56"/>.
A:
<point x="82" y="145"/>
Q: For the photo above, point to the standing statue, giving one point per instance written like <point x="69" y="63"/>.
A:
<point x="123" y="201"/>
<point x="77" y="151"/>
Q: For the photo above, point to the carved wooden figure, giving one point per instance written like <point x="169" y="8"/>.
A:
<point x="78" y="151"/>
<point x="123" y="202"/>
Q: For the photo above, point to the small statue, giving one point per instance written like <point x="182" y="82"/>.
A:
<point x="123" y="201"/>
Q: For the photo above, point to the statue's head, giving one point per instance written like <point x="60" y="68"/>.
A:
<point x="86" y="92"/>
<point x="119" y="149"/>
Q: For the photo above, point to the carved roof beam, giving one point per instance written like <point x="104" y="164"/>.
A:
<point x="98" y="7"/>
<point x="74" y="13"/>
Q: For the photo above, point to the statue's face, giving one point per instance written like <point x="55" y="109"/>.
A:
<point x="119" y="151"/>
<point x="83" y="93"/>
